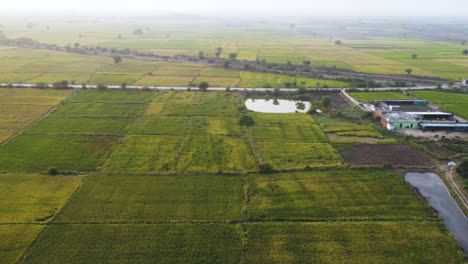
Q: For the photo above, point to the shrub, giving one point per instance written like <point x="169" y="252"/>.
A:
<point x="53" y="171"/>
<point x="101" y="87"/>
<point x="265" y="168"/>
<point x="462" y="168"/>
<point x="246" y="120"/>
<point x="325" y="101"/>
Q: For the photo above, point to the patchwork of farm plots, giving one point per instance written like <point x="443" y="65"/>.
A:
<point x="212" y="206"/>
<point x="21" y="107"/>
<point x="40" y="66"/>
<point x="275" y="44"/>
<point x="451" y="102"/>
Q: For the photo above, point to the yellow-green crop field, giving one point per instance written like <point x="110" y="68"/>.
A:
<point x="259" y="41"/>
<point x="21" y="107"/>
<point x="19" y="65"/>
<point x="173" y="177"/>
<point x="371" y="97"/>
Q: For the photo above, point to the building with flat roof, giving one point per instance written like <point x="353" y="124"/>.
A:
<point x="395" y="120"/>
<point x="456" y="127"/>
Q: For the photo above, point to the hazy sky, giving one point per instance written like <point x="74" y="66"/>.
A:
<point x="262" y="7"/>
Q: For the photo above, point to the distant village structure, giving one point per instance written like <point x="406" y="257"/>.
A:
<point x="415" y="114"/>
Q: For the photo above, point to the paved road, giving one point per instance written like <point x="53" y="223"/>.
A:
<point x="94" y="86"/>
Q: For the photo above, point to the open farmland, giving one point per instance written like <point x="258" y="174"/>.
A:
<point x="338" y="194"/>
<point x="371" y="97"/>
<point x="367" y="154"/>
<point x="156" y="199"/>
<point x="288" y="141"/>
<point x="331" y="242"/>
<point x="25" y="202"/>
<point x="382" y="48"/>
<point x="33" y="198"/>
<point x="339" y="132"/>
<point x="20" y="65"/>
<point x="173" y="243"/>
<point x="21" y="107"/>
<point x="173" y="177"/>
<point x="451" y="102"/>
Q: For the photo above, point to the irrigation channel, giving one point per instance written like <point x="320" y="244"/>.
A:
<point x="434" y="191"/>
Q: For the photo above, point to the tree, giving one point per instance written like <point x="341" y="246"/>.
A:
<point x="124" y="85"/>
<point x="325" y="101"/>
<point x="414" y="56"/>
<point x="203" y="86"/>
<point x="465" y="52"/>
<point x="338" y="42"/>
<point x="117" y="59"/>
<point x="306" y="62"/>
<point x="463" y="42"/>
<point x="246" y="120"/>
<point x="219" y="50"/>
<point x="61" y="85"/>
<point x="226" y="64"/>
<point x="300" y="106"/>
<point x="409" y="71"/>
<point x="201" y="55"/>
<point x="233" y="56"/>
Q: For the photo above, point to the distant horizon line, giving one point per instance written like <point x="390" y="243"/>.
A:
<point x="229" y="15"/>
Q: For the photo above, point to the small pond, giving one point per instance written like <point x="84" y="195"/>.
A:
<point x="277" y="106"/>
<point x="433" y="189"/>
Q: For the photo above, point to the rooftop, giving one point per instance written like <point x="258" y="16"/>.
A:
<point x="399" y="117"/>
<point x="444" y="124"/>
<point x="429" y="113"/>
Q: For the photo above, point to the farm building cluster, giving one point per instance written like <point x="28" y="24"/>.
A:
<point x="415" y="114"/>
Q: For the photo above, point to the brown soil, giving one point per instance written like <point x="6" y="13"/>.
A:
<point x="394" y="154"/>
<point x="338" y="101"/>
<point x="439" y="150"/>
